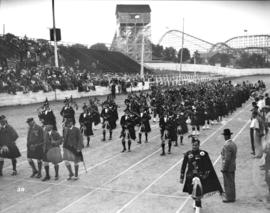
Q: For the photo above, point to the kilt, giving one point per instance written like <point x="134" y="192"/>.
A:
<point x="87" y="131"/>
<point x="71" y="154"/>
<point x="35" y="153"/>
<point x="53" y="155"/>
<point x="12" y="153"/>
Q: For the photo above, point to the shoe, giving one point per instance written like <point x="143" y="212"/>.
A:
<point x="38" y="175"/>
<point x="70" y="177"/>
<point x="56" y="178"/>
<point x="123" y="150"/>
<point x="46" y="178"/>
<point x="162" y="154"/>
<point x="228" y="201"/>
<point x="34" y="174"/>
<point x="14" y="173"/>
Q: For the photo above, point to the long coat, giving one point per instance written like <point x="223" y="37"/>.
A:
<point x="51" y="149"/>
<point x="198" y="164"/>
<point x="228" y="156"/>
<point x="8" y="136"/>
<point x="86" y="121"/>
<point x="35" y="139"/>
<point x="73" y="144"/>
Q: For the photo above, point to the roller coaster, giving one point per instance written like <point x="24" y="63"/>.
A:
<point x="259" y="44"/>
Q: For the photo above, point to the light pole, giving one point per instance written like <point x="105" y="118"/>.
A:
<point x="54" y="37"/>
<point x="142" y="55"/>
<point x="181" y="55"/>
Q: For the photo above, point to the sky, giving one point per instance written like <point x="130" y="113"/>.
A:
<point x="89" y="22"/>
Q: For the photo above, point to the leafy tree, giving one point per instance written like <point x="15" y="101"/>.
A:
<point x="79" y="46"/>
<point x="169" y="54"/>
<point x="99" y="46"/>
<point x="186" y="55"/>
<point x="196" y="58"/>
<point x="157" y="50"/>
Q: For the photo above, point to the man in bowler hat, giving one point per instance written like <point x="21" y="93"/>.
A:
<point x="228" y="155"/>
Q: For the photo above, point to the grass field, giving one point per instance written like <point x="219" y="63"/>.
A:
<point x="139" y="181"/>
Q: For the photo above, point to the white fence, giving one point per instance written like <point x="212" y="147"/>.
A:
<point x="37" y="97"/>
<point x="208" y="69"/>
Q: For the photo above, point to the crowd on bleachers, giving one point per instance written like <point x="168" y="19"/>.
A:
<point x="47" y="79"/>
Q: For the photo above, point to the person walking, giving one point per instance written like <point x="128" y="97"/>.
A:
<point x="228" y="156"/>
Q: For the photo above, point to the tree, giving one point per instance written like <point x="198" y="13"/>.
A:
<point x="157" y="50"/>
<point x="169" y="54"/>
<point x="79" y="46"/>
<point x="99" y="46"/>
<point x="196" y="58"/>
<point x="186" y="55"/>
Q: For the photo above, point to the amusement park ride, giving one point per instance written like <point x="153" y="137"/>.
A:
<point x="134" y="34"/>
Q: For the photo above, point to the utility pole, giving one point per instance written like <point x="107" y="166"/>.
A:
<point x="142" y="55"/>
<point x="4" y="29"/>
<point x="181" y="56"/>
<point x="54" y="37"/>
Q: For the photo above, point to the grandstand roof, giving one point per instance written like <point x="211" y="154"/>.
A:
<point x="133" y="8"/>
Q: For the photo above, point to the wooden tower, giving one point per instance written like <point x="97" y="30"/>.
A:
<point x="133" y="30"/>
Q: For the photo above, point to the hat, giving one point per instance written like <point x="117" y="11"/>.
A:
<point x="227" y="132"/>
<point x="2" y="117"/>
<point x="29" y="120"/>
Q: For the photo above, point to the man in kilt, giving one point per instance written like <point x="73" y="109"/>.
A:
<point x="46" y="116"/>
<point x="144" y="124"/>
<point x="8" y="147"/>
<point x="109" y="115"/>
<point x="86" y="119"/>
<point x="35" y="146"/>
<point x="200" y="177"/>
<point x="181" y="126"/>
<point x="72" y="145"/>
<point x="51" y="150"/>
<point x="168" y="130"/>
<point x="127" y="122"/>
<point x="67" y="112"/>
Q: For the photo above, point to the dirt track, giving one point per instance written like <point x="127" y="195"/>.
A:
<point x="140" y="181"/>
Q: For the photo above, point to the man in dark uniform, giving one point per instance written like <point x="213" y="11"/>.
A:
<point x="181" y="127"/>
<point x="144" y="124"/>
<point x="35" y="147"/>
<point x="109" y="115"/>
<point x="198" y="165"/>
<point x="168" y="130"/>
<point x="86" y="120"/>
<point x="127" y="122"/>
<point x="46" y="116"/>
<point x="67" y="112"/>
<point x="8" y="147"/>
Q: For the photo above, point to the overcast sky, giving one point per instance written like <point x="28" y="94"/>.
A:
<point x="90" y="22"/>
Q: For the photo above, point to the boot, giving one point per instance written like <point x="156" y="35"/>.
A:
<point x="34" y="170"/>
<point x="39" y="169"/>
<point x="47" y="177"/>
<point x="129" y="145"/>
<point x="1" y="167"/>
<point x="56" y="169"/>
<point x="110" y="138"/>
<point x="146" y="137"/>
<point x="88" y="141"/>
<point x="124" y="145"/>
<point x="163" y="149"/>
<point x="169" y="147"/>
<point x="70" y="172"/>
<point x="14" y="164"/>
<point x="76" y="168"/>
<point x="181" y="139"/>
<point x="104" y="135"/>
<point x="140" y="138"/>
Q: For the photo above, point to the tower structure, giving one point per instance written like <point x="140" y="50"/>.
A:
<point x="133" y="31"/>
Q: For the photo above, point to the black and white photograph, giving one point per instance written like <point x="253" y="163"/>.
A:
<point x="147" y="106"/>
